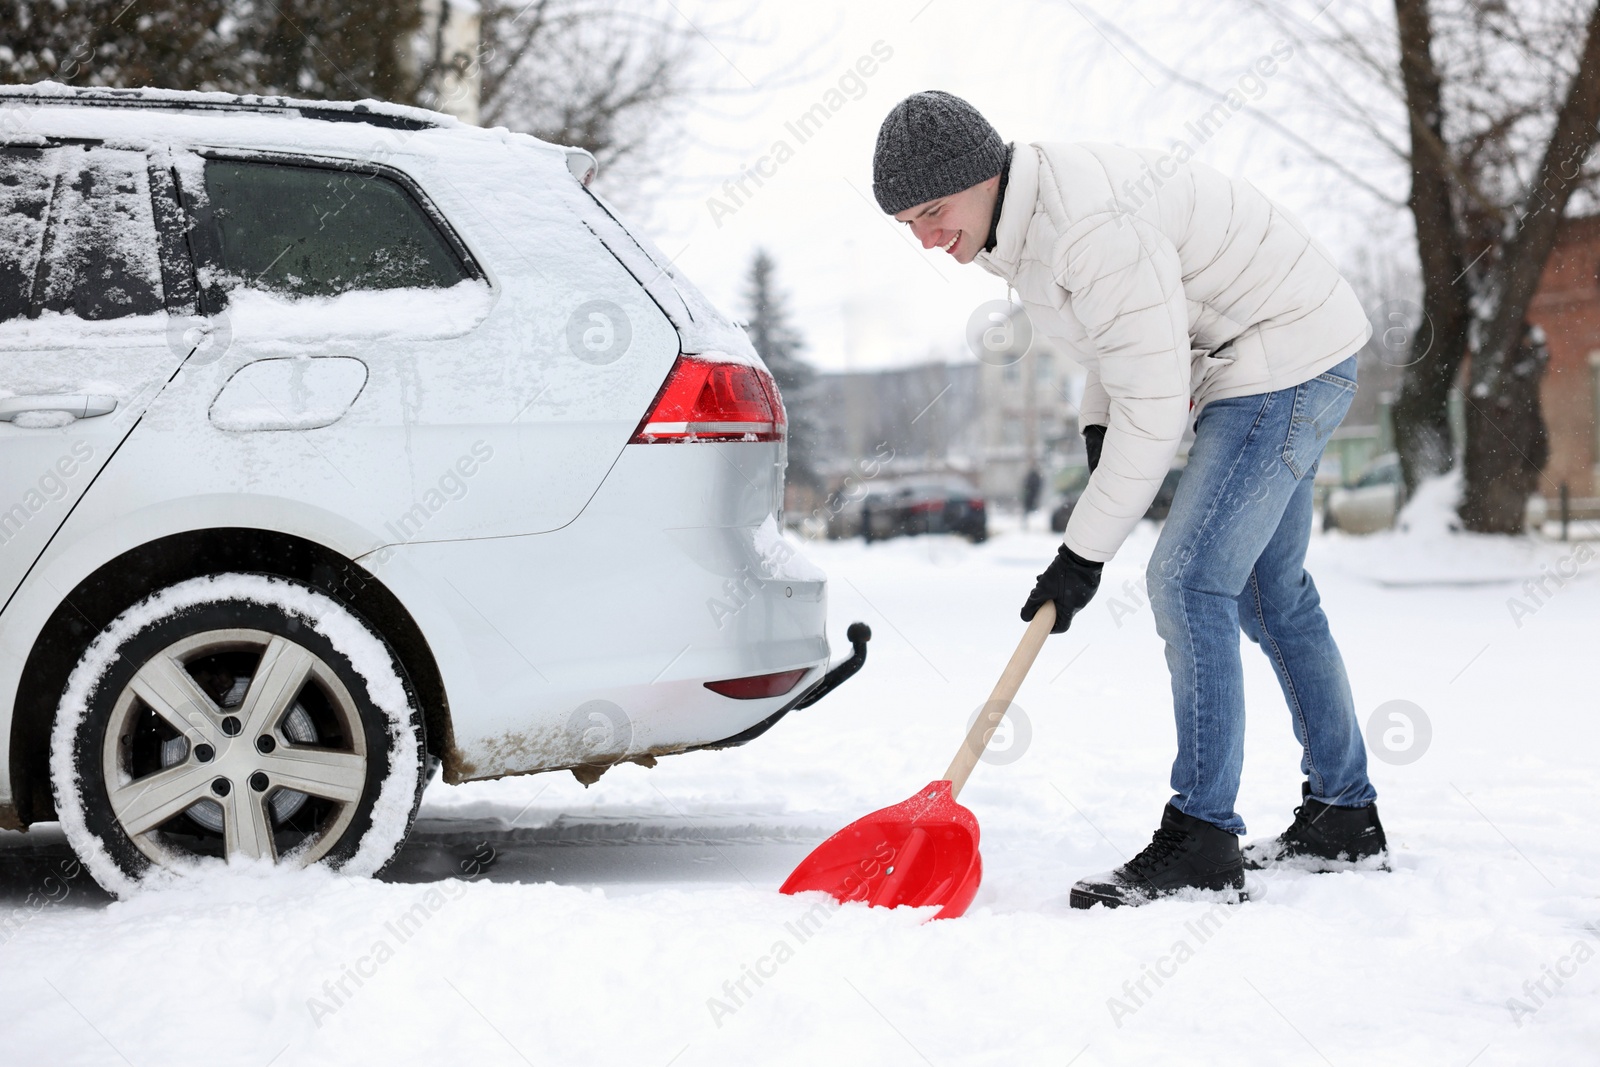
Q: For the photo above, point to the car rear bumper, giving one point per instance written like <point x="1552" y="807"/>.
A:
<point x="594" y="642"/>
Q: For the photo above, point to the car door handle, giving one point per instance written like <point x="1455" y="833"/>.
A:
<point x="80" y="406"/>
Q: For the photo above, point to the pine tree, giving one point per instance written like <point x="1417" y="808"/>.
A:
<point x="779" y="345"/>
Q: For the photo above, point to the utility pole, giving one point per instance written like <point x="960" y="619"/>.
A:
<point x="1030" y="411"/>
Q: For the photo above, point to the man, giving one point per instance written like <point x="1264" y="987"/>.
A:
<point x="1183" y="294"/>
<point x="1032" y="483"/>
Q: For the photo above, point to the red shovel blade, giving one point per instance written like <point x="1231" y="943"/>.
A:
<point x="921" y="852"/>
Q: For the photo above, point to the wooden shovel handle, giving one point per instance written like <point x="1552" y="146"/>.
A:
<point x="1005" y="691"/>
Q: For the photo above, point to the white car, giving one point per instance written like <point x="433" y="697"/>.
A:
<point x="339" y="443"/>
<point x="1369" y="504"/>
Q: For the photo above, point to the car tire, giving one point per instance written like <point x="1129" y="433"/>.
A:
<point x="237" y="717"/>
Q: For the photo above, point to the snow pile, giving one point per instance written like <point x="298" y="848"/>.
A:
<point x="1428" y="547"/>
<point x="1431" y="511"/>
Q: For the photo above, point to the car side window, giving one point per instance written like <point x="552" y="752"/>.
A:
<point x="26" y="175"/>
<point x="77" y="233"/>
<point x="99" y="259"/>
<point x="318" y="231"/>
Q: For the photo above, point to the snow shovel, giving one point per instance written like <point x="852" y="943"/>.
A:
<point x="923" y="851"/>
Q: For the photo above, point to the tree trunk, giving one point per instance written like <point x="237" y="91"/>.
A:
<point x="1421" y="424"/>
<point x="1421" y="408"/>
<point x="1507" y="443"/>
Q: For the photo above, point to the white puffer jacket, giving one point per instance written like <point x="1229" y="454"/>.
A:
<point x="1194" y="286"/>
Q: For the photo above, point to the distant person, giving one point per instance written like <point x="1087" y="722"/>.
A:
<point x="1031" y="484"/>
<point x="1184" y="294"/>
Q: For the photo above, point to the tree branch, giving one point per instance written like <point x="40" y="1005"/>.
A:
<point x="1106" y="26"/>
<point x="1529" y="247"/>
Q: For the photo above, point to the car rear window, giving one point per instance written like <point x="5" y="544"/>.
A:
<point x="316" y="231"/>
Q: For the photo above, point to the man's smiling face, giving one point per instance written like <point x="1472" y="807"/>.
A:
<point x="958" y="223"/>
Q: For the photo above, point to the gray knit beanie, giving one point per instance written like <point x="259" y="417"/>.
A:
<point x="931" y="145"/>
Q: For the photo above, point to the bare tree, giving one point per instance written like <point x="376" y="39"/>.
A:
<point x="610" y="78"/>
<point x="1491" y="108"/>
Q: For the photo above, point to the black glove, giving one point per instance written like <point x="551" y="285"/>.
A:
<point x="1094" y="437"/>
<point x="1070" y="581"/>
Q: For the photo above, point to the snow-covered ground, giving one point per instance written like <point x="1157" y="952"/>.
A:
<point x="637" y="922"/>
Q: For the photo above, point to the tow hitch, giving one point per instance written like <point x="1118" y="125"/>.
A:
<point x="858" y="635"/>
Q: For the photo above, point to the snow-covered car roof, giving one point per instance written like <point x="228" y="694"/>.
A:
<point x="277" y="121"/>
<point x="377" y="112"/>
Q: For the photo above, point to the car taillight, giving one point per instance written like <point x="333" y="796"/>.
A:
<point x="707" y="400"/>
<point x="758" y="686"/>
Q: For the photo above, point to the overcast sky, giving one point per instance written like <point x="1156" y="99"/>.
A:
<point x="864" y="292"/>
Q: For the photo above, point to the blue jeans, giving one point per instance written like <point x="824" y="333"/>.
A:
<point x="1232" y="557"/>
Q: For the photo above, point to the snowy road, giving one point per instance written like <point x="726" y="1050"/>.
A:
<point x="636" y="922"/>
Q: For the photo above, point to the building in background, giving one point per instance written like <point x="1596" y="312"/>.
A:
<point x="987" y="422"/>
<point x="1030" y="419"/>
<point x="925" y="417"/>
<point x="1567" y="307"/>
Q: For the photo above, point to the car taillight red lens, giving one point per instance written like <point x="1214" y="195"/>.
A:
<point x="758" y="686"/>
<point x="707" y="400"/>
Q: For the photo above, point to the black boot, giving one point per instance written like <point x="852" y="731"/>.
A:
<point x="1324" y="837"/>
<point x="1185" y="854"/>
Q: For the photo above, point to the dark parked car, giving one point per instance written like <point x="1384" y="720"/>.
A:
<point x="925" y="505"/>
<point x="1078" y="478"/>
